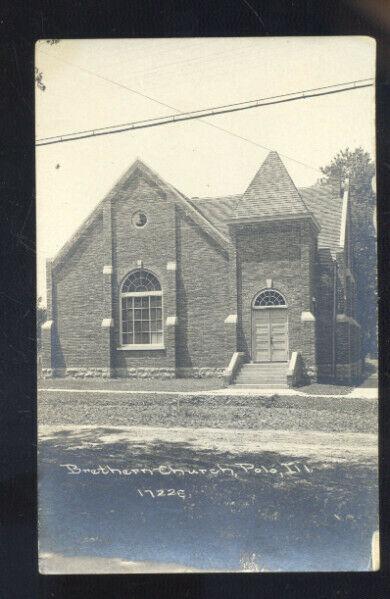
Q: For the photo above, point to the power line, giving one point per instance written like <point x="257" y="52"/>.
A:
<point x="197" y="114"/>
<point x="156" y="101"/>
<point x="206" y="58"/>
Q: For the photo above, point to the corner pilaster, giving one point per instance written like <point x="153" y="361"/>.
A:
<point x="171" y="321"/>
<point x="48" y="327"/>
<point x="308" y="345"/>
<point x="231" y="321"/>
<point x="107" y="322"/>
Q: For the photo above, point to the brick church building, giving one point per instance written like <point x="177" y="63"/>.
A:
<point x="256" y="288"/>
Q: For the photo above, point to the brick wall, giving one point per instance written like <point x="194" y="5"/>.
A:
<point x="202" y="298"/>
<point x="78" y="303"/>
<point x="205" y="285"/>
<point x="154" y="244"/>
<point x="324" y="313"/>
<point x="282" y="252"/>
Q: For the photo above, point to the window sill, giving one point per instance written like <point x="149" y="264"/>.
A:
<point x="142" y="346"/>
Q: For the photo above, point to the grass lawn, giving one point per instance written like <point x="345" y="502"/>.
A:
<point x="168" y="385"/>
<point x="188" y="384"/>
<point x="219" y="411"/>
<point x="326" y="389"/>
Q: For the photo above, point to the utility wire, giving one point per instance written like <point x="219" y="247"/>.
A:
<point x="207" y="58"/>
<point x="197" y="114"/>
<point x="201" y="120"/>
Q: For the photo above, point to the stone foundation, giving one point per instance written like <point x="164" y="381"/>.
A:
<point x="76" y="373"/>
<point x="199" y="373"/>
<point x="145" y="373"/>
<point x="133" y="373"/>
<point x="47" y="373"/>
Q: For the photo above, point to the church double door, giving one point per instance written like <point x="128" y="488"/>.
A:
<point x="269" y="335"/>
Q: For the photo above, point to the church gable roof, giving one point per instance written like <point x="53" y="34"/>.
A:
<point x="327" y="207"/>
<point x="319" y="199"/>
<point x="271" y="193"/>
<point x="181" y="200"/>
<point x="219" y="211"/>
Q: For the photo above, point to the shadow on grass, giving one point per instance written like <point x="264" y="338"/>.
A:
<point x="320" y="517"/>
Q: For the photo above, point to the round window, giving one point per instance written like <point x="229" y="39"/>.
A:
<point x="139" y="219"/>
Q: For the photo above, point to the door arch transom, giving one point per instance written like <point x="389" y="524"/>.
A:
<point x="269" y="327"/>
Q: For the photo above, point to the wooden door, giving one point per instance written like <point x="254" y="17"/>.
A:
<point x="269" y="343"/>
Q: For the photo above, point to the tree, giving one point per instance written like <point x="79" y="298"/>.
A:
<point x="39" y="80"/>
<point x="38" y="74"/>
<point x="358" y="167"/>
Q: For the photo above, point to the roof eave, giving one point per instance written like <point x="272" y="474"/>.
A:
<point x="279" y="217"/>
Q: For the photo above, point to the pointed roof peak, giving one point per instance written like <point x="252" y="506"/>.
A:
<point x="271" y="193"/>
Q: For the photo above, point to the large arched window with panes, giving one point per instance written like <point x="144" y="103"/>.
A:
<point x="141" y="308"/>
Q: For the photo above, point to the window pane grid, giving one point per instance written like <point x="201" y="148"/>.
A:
<point x="142" y="320"/>
<point x="140" y="280"/>
<point x="269" y="297"/>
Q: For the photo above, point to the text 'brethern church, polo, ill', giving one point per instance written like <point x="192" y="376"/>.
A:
<point x="258" y="287"/>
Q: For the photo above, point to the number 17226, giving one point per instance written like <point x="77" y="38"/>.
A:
<point x="162" y="493"/>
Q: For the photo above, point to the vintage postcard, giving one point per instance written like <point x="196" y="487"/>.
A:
<point x="207" y="313"/>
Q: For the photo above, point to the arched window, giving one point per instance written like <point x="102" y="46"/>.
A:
<point x="269" y="298"/>
<point x="141" y="309"/>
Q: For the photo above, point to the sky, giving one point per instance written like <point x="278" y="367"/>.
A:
<point x="87" y="86"/>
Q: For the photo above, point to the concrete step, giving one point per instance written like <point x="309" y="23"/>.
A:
<point x="257" y="367"/>
<point x="267" y="375"/>
<point x="270" y="379"/>
<point x="264" y="370"/>
<point x="261" y="379"/>
<point x="265" y="365"/>
<point x="260" y="386"/>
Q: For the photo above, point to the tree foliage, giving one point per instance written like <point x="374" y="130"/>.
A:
<point x="38" y="74"/>
<point x="39" y="80"/>
<point x="358" y="167"/>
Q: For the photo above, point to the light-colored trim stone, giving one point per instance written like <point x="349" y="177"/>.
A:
<point x="231" y="319"/>
<point x="107" y="323"/>
<point x="349" y="319"/>
<point x="235" y="362"/>
<point x="141" y="347"/>
<point x="171" y="266"/>
<point x="47" y="325"/>
<point x="171" y="321"/>
<point x="307" y="316"/>
<point x="107" y="269"/>
<point x="269" y="283"/>
<point x="292" y="363"/>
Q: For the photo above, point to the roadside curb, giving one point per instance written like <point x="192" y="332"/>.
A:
<point x="368" y="394"/>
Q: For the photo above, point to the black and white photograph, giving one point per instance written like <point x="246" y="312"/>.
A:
<point x="207" y="337"/>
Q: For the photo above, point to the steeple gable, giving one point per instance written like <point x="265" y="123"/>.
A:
<point x="271" y="193"/>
